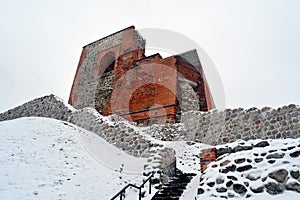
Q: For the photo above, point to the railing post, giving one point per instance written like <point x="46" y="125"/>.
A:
<point x="150" y="185"/>
<point x="140" y="194"/>
<point x="137" y="187"/>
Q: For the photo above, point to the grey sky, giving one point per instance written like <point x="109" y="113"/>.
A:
<point x="254" y="44"/>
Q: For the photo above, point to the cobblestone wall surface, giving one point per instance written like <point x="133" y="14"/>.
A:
<point x="114" y="130"/>
<point x="166" y="132"/>
<point x="47" y="106"/>
<point x="250" y="168"/>
<point x="187" y="98"/>
<point x="219" y="127"/>
<point x="214" y="127"/>
<point x="104" y="90"/>
<point x="128" y="138"/>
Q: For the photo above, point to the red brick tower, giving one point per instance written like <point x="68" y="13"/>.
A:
<point x="114" y="76"/>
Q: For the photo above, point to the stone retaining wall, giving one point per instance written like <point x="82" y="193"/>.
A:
<point x="247" y="169"/>
<point x="48" y="106"/>
<point x="166" y="132"/>
<point x="114" y="130"/>
<point x="219" y="127"/>
<point x="215" y="127"/>
<point x="127" y="137"/>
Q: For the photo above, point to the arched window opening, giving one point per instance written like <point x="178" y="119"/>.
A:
<point x="107" y="63"/>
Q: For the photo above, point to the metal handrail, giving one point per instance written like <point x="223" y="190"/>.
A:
<point x="137" y="187"/>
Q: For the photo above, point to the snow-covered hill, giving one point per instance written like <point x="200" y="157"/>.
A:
<point x="42" y="158"/>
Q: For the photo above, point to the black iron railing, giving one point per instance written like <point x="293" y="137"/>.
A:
<point x="122" y="192"/>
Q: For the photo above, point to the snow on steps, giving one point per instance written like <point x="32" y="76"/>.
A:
<point x="174" y="188"/>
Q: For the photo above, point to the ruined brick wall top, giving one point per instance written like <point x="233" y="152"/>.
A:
<point x="196" y="75"/>
<point x="89" y="69"/>
<point x="114" y="76"/>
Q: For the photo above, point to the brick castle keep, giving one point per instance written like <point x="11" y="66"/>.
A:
<point x="115" y="76"/>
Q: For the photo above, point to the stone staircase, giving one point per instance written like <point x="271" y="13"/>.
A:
<point x="174" y="188"/>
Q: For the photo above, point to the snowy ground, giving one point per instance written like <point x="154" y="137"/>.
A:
<point x="188" y="161"/>
<point x="187" y="155"/>
<point x="44" y="158"/>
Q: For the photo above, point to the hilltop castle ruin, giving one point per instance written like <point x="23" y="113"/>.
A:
<point x="115" y="76"/>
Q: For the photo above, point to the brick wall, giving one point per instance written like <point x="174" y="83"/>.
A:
<point x="114" y="76"/>
<point x="92" y="64"/>
<point x="191" y="73"/>
<point x="207" y="156"/>
<point x="145" y="89"/>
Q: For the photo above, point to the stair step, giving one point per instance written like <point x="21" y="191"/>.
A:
<point x="174" y="188"/>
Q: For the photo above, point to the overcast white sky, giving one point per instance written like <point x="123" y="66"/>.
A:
<point x="255" y="44"/>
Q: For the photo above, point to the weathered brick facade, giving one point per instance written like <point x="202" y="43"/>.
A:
<point x="115" y="76"/>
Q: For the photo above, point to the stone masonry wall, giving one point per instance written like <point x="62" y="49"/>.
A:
<point x="47" y="106"/>
<point x="219" y="127"/>
<point x="214" y="127"/>
<point x="250" y="168"/>
<point x="128" y="138"/>
<point x="187" y="98"/>
<point x="114" y="130"/>
<point x="104" y="90"/>
<point x="197" y="76"/>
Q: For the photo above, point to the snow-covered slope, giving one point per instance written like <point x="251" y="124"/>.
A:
<point x="42" y="158"/>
